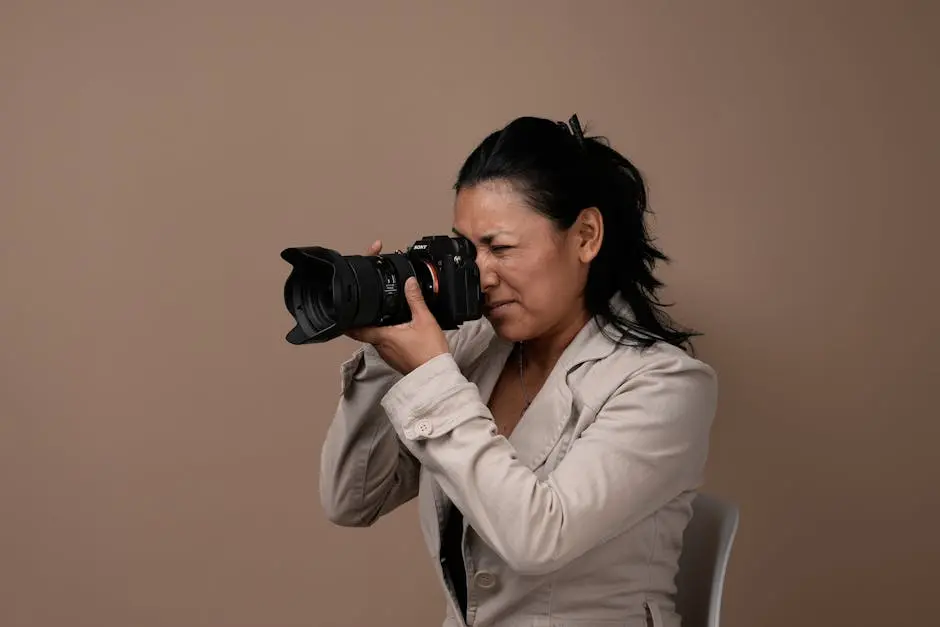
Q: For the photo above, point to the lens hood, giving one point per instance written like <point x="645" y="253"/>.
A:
<point x="314" y="294"/>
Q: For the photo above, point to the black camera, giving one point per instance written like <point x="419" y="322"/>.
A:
<point x="328" y="293"/>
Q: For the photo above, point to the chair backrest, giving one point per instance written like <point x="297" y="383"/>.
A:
<point x="704" y="560"/>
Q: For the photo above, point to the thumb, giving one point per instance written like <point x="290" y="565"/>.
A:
<point x="415" y="298"/>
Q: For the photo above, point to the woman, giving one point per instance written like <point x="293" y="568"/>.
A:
<point x="555" y="444"/>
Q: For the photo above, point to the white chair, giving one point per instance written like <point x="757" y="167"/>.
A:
<point x="704" y="560"/>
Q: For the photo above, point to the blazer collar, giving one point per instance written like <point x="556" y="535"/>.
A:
<point x="544" y="422"/>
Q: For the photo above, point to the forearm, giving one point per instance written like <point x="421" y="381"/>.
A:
<point x="365" y="472"/>
<point x="516" y="513"/>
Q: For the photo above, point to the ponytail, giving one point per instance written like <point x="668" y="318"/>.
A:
<point x="626" y="262"/>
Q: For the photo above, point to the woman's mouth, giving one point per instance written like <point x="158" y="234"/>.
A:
<point x="498" y="306"/>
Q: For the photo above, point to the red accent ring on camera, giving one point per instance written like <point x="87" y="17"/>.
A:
<point x="435" y="283"/>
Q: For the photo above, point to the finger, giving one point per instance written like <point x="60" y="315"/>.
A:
<point x="375" y="248"/>
<point x="415" y="299"/>
<point x="363" y="334"/>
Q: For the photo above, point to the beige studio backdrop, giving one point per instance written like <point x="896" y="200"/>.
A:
<point x="159" y="439"/>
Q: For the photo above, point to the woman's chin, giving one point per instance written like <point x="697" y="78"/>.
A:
<point x="508" y="329"/>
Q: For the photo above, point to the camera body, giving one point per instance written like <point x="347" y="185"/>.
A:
<point x="328" y="293"/>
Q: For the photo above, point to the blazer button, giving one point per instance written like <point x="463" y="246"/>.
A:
<point x="423" y="427"/>
<point x="484" y="580"/>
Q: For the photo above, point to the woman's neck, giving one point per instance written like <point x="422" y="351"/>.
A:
<point x="541" y="353"/>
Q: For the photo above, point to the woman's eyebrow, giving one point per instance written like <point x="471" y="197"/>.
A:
<point x="486" y="239"/>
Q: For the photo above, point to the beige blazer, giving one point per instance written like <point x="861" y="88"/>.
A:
<point x="577" y="518"/>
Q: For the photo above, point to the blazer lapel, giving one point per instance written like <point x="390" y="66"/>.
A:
<point x="544" y="422"/>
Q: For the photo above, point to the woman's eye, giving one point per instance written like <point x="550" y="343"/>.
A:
<point x="498" y="249"/>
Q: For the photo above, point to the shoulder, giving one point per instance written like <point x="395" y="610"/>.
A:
<point x="657" y="404"/>
<point x="662" y="359"/>
<point x="661" y="375"/>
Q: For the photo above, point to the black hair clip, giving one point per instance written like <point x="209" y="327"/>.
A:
<point x="574" y="127"/>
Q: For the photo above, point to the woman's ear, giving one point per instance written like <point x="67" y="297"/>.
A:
<point x="589" y="233"/>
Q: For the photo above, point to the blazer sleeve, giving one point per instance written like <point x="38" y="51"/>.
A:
<point x="365" y="472"/>
<point x="647" y="444"/>
<point x="365" y="469"/>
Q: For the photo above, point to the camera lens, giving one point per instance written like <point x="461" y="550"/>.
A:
<point x="329" y="293"/>
<point x="378" y="289"/>
<point x="317" y="301"/>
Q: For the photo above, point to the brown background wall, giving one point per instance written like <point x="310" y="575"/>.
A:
<point x="160" y="440"/>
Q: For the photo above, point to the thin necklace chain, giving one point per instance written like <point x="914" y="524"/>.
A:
<point x="525" y="397"/>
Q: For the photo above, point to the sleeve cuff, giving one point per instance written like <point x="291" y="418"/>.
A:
<point x="433" y="399"/>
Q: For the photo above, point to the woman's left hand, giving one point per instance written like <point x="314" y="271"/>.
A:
<point x="406" y="346"/>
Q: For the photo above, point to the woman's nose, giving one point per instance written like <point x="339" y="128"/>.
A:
<point x="488" y="278"/>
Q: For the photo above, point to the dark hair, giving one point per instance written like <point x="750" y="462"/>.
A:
<point x="561" y="172"/>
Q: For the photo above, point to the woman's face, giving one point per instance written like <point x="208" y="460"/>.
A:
<point x="532" y="274"/>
